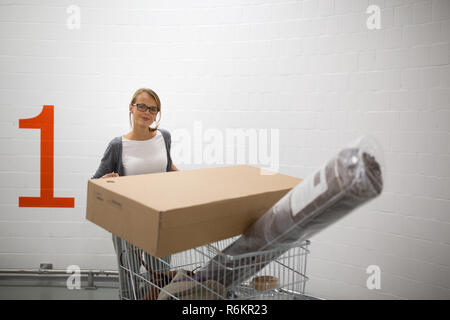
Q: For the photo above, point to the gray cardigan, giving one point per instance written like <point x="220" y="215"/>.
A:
<point x="112" y="157"/>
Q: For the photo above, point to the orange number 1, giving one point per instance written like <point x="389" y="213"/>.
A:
<point x="44" y="121"/>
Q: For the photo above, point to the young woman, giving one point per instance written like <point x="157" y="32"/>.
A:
<point x="142" y="150"/>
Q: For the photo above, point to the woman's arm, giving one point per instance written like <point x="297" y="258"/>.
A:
<point x="106" y="164"/>
<point x="174" y="168"/>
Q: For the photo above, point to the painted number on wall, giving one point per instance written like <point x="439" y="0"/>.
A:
<point x="44" y="121"/>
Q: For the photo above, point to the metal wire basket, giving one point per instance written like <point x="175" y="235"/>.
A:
<point x="206" y="273"/>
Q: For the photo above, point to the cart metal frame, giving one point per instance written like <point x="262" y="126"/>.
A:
<point x="145" y="277"/>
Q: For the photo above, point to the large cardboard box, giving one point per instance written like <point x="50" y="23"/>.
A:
<point x="164" y="213"/>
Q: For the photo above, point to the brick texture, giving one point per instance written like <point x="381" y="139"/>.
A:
<point x="311" y="69"/>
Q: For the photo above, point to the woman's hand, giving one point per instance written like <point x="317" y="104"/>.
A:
<point x="111" y="175"/>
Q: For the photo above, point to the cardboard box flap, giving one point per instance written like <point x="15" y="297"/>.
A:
<point x="180" y="189"/>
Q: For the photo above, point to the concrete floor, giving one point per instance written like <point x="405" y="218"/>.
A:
<point x="54" y="287"/>
<point x="56" y="293"/>
<point x="51" y="287"/>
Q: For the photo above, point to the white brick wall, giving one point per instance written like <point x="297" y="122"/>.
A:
<point x="310" y="68"/>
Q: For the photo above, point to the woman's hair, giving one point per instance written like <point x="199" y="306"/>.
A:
<point x="158" y="104"/>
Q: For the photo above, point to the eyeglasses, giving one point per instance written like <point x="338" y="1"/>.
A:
<point x="143" y="107"/>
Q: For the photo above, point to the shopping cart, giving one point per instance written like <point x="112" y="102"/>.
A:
<point x="206" y="273"/>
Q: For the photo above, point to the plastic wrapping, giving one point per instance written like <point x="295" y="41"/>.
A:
<point x="344" y="183"/>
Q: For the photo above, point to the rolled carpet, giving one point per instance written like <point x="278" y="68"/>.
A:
<point x="347" y="181"/>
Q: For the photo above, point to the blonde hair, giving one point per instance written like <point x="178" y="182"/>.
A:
<point x="158" y="104"/>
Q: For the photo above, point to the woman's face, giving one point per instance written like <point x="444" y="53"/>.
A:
<point x="145" y="118"/>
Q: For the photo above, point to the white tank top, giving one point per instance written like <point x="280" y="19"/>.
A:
<point x="146" y="156"/>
